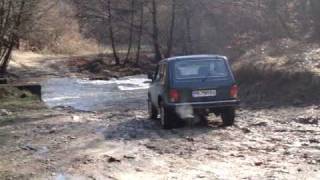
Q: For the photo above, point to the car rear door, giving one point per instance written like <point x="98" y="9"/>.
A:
<point x="204" y="89"/>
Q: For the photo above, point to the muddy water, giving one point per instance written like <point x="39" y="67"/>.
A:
<point x="97" y="95"/>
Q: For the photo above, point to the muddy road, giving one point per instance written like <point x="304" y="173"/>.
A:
<point x="100" y="130"/>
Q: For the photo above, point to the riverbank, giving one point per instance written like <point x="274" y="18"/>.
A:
<point x="99" y="129"/>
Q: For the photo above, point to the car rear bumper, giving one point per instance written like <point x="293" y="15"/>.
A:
<point x="207" y="105"/>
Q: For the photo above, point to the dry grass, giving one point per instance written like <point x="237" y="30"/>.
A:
<point x="73" y="44"/>
<point x="280" y="72"/>
<point x="283" y="55"/>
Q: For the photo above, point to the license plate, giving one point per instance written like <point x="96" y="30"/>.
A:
<point x="204" y="93"/>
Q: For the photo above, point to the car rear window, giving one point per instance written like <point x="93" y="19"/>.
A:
<point x="194" y="69"/>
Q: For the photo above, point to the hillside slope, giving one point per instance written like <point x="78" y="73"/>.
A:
<point x="282" y="71"/>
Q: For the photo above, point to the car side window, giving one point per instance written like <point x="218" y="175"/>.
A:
<point x="163" y="73"/>
<point x="157" y="78"/>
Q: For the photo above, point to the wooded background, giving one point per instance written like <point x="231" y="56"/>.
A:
<point x="161" y="27"/>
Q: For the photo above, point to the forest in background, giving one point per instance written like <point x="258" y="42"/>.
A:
<point x="165" y="28"/>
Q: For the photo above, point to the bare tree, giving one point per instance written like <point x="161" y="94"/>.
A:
<point x="155" y="34"/>
<point x="11" y="13"/>
<point x="132" y="7"/>
<point x="140" y="31"/>
<point x="315" y="13"/>
<point x="204" y="26"/>
<point x="188" y="43"/>
<point x="171" y="28"/>
<point x="111" y="33"/>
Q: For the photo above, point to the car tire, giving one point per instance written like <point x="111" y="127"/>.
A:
<point x="166" y="117"/>
<point x="228" y="116"/>
<point x="152" y="110"/>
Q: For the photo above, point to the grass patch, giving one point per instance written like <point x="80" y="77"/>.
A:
<point x="21" y="103"/>
<point x="11" y="97"/>
<point x="17" y="103"/>
<point x="7" y="175"/>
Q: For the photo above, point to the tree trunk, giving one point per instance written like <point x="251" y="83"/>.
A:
<point x="315" y="12"/>
<point x="140" y="33"/>
<point x="171" y="31"/>
<point x="6" y="59"/>
<point x="130" y="32"/>
<point x="285" y="27"/>
<point x="111" y="34"/>
<point x="188" y="33"/>
<point x="155" y="35"/>
<point x="14" y="35"/>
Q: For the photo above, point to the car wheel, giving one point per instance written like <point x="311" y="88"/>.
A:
<point x="152" y="111"/>
<point x="228" y="116"/>
<point x="166" y="118"/>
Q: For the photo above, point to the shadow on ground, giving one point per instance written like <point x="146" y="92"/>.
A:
<point x="137" y="129"/>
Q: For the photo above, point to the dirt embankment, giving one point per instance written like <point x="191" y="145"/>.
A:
<point x="280" y="72"/>
<point x="102" y="67"/>
<point x="32" y="67"/>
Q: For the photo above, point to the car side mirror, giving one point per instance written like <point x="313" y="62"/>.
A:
<point x="150" y="76"/>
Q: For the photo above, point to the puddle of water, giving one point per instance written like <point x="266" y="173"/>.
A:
<point x="97" y="95"/>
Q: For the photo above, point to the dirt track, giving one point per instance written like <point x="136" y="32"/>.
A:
<point x="264" y="144"/>
<point x="122" y="143"/>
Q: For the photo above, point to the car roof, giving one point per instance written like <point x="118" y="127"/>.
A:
<point x="200" y="56"/>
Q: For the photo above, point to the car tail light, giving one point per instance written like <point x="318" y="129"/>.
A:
<point x="234" y="91"/>
<point x="174" y="95"/>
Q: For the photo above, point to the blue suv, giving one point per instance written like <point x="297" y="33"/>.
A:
<point x="192" y="86"/>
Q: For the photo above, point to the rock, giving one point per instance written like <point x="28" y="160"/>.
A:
<point x="314" y="141"/>
<point x="95" y="66"/>
<point x="312" y="162"/>
<point x="28" y="147"/>
<point x="112" y="159"/>
<point x="200" y="176"/>
<point x="24" y="95"/>
<point x="190" y="139"/>
<point x="150" y="146"/>
<point x="237" y="155"/>
<point x="259" y="163"/>
<point x="210" y="148"/>
<point x="299" y="170"/>
<point x="4" y="112"/>
<point x="307" y="120"/>
<point x="72" y="137"/>
<point x="129" y="157"/>
<point x="138" y="170"/>
<point x="245" y="130"/>
<point x="52" y="131"/>
<point x="286" y="153"/>
<point x="103" y="78"/>
<point x="260" y="124"/>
